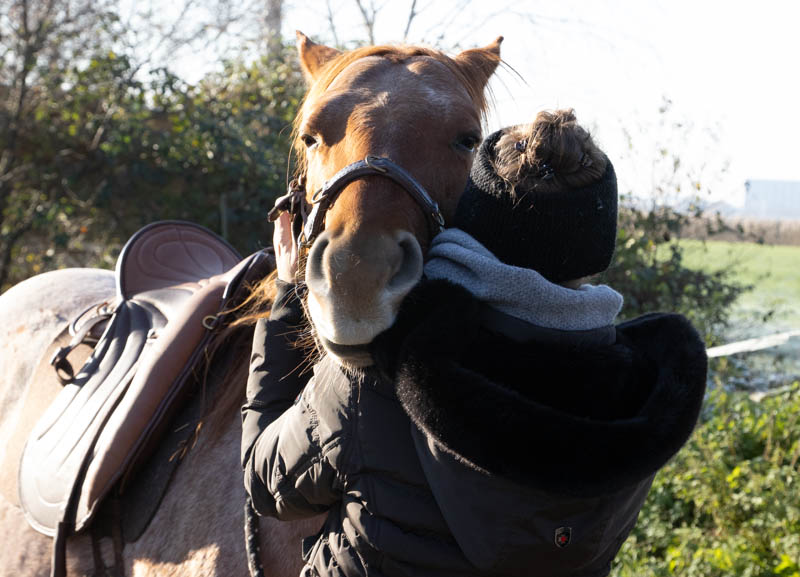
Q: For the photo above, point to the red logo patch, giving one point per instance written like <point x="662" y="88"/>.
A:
<point x="563" y="536"/>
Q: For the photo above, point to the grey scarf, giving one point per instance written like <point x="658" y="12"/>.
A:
<point x="523" y="293"/>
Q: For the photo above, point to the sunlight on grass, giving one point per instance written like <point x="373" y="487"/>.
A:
<point x="774" y="272"/>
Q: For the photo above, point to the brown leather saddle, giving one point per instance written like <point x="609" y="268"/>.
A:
<point x="176" y="284"/>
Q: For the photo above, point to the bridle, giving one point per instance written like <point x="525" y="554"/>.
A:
<point x="307" y="225"/>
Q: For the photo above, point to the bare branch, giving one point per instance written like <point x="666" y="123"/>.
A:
<point x="412" y="13"/>
<point x="368" y="18"/>
<point x="25" y="19"/>
<point x="274" y="20"/>
<point x="472" y="31"/>
<point x="331" y="24"/>
<point x="446" y="23"/>
<point x="170" y="35"/>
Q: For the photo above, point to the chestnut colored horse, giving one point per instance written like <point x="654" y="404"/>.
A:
<point x="416" y="106"/>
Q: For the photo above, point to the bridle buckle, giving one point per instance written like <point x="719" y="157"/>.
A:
<point x="438" y="218"/>
<point x="374" y="163"/>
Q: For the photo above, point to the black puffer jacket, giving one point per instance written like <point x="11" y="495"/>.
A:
<point x="479" y="445"/>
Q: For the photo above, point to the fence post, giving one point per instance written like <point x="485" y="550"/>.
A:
<point x="223" y="214"/>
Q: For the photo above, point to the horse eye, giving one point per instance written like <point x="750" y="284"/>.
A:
<point x="467" y="142"/>
<point x="308" y="140"/>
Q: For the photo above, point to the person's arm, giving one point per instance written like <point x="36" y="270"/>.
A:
<point x="291" y="445"/>
<point x="294" y="469"/>
<point x="289" y="472"/>
<point x="275" y="362"/>
<point x="275" y="378"/>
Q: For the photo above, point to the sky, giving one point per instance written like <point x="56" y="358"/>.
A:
<point x="729" y="71"/>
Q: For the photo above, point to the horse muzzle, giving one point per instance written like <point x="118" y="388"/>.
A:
<point x="355" y="286"/>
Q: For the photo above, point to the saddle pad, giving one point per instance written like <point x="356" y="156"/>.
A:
<point x="98" y="422"/>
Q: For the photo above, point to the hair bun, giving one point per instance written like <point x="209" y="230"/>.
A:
<point x="553" y="152"/>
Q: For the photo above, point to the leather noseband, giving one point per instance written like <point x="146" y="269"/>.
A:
<point x="314" y="222"/>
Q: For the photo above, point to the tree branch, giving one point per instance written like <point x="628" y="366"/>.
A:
<point x="331" y="24"/>
<point x="369" y="20"/>
<point x="7" y="247"/>
<point x="412" y="13"/>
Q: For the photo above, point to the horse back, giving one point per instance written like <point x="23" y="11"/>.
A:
<point x="33" y="317"/>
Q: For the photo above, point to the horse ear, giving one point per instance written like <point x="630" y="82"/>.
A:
<point x="480" y="63"/>
<point x="313" y="56"/>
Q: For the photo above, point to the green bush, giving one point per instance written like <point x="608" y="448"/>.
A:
<point x="729" y="502"/>
<point x="101" y="153"/>
<point x="650" y="272"/>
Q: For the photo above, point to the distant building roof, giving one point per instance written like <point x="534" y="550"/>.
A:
<point x="772" y="199"/>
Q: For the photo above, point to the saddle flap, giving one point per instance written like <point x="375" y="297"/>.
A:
<point x="149" y="395"/>
<point x="156" y="389"/>
<point x="53" y="456"/>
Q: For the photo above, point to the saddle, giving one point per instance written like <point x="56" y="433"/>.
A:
<point x="176" y="284"/>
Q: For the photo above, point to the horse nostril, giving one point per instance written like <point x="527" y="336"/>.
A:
<point x="410" y="270"/>
<point x="315" y="273"/>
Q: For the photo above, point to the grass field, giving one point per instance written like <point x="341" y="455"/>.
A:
<point x="774" y="303"/>
<point x="774" y="271"/>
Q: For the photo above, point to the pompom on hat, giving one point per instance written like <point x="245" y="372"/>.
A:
<point x="563" y="234"/>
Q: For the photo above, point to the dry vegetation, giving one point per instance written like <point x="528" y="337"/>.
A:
<point x="778" y="232"/>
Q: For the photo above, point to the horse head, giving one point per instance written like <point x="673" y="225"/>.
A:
<point x="414" y="107"/>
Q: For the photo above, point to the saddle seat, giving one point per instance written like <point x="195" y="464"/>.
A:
<point x="169" y="256"/>
<point x="175" y="280"/>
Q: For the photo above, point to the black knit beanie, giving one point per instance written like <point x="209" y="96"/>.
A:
<point x="563" y="235"/>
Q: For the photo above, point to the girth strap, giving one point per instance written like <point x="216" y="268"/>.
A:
<point x="80" y="334"/>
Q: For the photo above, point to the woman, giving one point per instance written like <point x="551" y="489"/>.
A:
<point x="508" y="427"/>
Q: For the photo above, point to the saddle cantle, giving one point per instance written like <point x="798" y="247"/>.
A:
<point x="175" y="281"/>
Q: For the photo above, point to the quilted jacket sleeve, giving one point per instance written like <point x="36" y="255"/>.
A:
<point x="291" y="446"/>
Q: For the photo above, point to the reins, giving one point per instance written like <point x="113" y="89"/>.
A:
<point x="251" y="540"/>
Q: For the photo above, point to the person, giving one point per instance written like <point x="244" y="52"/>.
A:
<point x="507" y="426"/>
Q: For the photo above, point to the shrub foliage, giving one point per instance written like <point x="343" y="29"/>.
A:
<point x="100" y="152"/>
<point x="729" y="503"/>
<point x="649" y="270"/>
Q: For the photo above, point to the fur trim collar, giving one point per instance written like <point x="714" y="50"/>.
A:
<point x="574" y="419"/>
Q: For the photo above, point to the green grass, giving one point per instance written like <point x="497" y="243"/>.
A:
<point x="774" y="272"/>
<point x="772" y="306"/>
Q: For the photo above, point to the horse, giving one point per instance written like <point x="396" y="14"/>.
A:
<point x="411" y="107"/>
